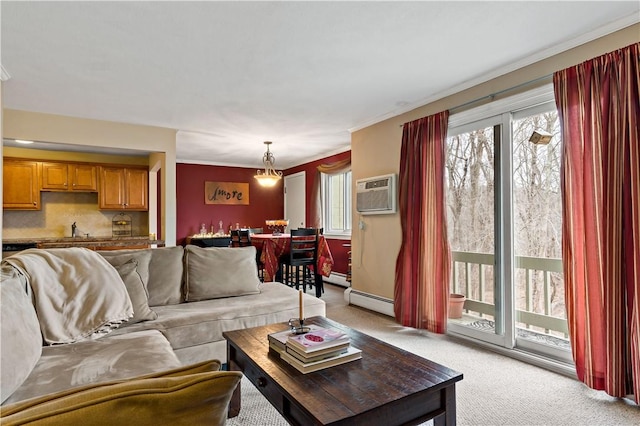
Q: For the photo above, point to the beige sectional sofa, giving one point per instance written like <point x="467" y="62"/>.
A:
<point x="73" y="319"/>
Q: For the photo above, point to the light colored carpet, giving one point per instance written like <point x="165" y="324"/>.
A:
<point x="496" y="390"/>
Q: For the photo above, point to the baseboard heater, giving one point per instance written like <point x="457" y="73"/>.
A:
<point x="369" y="301"/>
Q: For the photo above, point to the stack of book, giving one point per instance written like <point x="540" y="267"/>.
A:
<point x="317" y="349"/>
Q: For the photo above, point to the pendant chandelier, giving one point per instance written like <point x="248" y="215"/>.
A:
<point x="268" y="177"/>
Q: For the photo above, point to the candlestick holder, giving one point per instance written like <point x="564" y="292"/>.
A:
<point x="297" y="326"/>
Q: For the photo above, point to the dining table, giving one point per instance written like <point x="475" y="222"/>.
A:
<point x="273" y="246"/>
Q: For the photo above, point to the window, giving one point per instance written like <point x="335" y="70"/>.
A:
<point x="336" y="192"/>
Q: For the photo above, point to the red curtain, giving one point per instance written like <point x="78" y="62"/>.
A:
<point x="423" y="266"/>
<point x="598" y="103"/>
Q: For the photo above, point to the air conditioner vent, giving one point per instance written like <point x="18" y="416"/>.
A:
<point x="376" y="195"/>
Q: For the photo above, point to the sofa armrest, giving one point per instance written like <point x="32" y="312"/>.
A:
<point x="190" y="395"/>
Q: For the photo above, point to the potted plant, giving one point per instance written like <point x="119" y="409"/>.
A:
<point x="456" y="305"/>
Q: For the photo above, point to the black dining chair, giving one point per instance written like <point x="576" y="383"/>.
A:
<point x="240" y="238"/>
<point x="298" y="268"/>
<point x="319" y="231"/>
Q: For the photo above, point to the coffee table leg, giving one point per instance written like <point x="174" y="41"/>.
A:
<point x="449" y="416"/>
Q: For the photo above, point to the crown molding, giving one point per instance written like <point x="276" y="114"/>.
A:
<point x="4" y="75"/>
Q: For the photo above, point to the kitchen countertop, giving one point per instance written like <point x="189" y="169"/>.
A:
<point x="51" y="242"/>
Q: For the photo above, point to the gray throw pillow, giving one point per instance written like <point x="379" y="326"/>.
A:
<point x="143" y="257"/>
<point x="165" y="274"/>
<point x="137" y="293"/>
<point x="215" y="272"/>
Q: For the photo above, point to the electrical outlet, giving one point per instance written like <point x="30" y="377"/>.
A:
<point x="361" y="224"/>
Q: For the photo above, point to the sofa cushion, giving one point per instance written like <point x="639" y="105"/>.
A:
<point x="142" y="258"/>
<point x="191" y="399"/>
<point x="165" y="273"/>
<point x="216" y="272"/>
<point x="130" y="274"/>
<point x="165" y="276"/>
<point x="199" y="323"/>
<point x="21" y="343"/>
<point x="110" y="358"/>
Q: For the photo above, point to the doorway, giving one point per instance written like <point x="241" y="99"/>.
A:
<point x="295" y="200"/>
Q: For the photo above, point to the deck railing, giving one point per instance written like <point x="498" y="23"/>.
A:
<point x="478" y="268"/>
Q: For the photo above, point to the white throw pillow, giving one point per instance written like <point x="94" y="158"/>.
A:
<point x="216" y="272"/>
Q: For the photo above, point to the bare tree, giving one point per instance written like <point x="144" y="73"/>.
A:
<point x="536" y="199"/>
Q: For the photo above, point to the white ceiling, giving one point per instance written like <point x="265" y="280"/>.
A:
<point x="230" y="75"/>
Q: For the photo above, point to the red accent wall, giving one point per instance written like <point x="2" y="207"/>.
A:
<point x="265" y="203"/>
<point x="191" y="211"/>
<point x="339" y="253"/>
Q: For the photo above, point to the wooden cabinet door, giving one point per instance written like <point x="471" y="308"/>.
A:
<point x="112" y="184"/>
<point x="55" y="176"/>
<point x="84" y="177"/>
<point x="21" y="185"/>
<point x="123" y="189"/>
<point x="69" y="177"/>
<point x="137" y="188"/>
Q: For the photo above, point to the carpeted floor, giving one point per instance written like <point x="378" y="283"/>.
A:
<point x="496" y="390"/>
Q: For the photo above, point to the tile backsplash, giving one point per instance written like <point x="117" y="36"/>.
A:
<point x="60" y="210"/>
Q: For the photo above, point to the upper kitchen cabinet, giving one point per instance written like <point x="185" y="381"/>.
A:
<point x="69" y="177"/>
<point x="20" y="185"/>
<point x="123" y="188"/>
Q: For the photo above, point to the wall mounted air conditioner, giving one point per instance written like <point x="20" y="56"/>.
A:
<point x="376" y="195"/>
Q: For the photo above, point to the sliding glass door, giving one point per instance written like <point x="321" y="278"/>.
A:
<point x="471" y="184"/>
<point x="540" y="317"/>
<point x="504" y="223"/>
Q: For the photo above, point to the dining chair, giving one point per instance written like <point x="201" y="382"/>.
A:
<point x="298" y="268"/>
<point x="319" y="231"/>
<point x="240" y="238"/>
<point x="318" y="278"/>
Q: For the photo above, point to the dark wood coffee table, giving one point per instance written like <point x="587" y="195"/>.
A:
<point x="388" y="386"/>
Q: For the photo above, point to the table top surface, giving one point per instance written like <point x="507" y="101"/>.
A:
<point x="269" y="236"/>
<point x="385" y="374"/>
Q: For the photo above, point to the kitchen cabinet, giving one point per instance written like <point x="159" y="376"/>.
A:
<point x="21" y="185"/>
<point x="69" y="177"/>
<point x="123" y="188"/>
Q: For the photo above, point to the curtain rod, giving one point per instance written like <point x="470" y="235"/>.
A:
<point x="499" y="92"/>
